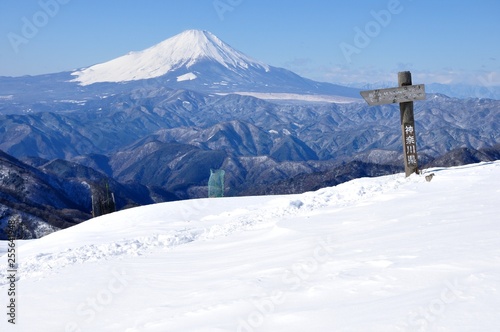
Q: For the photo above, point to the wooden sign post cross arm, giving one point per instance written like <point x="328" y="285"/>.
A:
<point x="405" y="94"/>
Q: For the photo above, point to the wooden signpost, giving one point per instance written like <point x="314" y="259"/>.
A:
<point x="405" y="94"/>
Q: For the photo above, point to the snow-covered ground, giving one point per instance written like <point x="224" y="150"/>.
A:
<point x="297" y="97"/>
<point x="381" y="254"/>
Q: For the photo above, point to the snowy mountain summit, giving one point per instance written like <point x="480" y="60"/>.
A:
<point x="179" y="52"/>
<point x="199" y="61"/>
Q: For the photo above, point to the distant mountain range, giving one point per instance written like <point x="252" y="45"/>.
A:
<point x="152" y="124"/>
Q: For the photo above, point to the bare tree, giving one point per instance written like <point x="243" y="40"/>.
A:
<point x="17" y="230"/>
<point x="103" y="201"/>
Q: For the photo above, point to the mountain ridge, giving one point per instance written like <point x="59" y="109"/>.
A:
<point x="57" y="194"/>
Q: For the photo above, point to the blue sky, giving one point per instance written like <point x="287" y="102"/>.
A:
<point x="334" y="41"/>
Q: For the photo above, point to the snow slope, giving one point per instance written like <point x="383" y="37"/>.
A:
<point x="380" y="254"/>
<point x="182" y="50"/>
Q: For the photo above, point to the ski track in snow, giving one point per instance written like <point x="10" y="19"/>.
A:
<point x="277" y="209"/>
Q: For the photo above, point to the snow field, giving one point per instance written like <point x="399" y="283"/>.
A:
<point x="381" y="254"/>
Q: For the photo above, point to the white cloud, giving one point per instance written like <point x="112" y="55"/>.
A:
<point x="347" y="74"/>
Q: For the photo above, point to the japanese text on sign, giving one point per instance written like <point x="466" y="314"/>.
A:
<point x="410" y="144"/>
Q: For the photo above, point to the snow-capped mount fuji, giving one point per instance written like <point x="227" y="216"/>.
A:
<point x="200" y="61"/>
<point x="180" y="52"/>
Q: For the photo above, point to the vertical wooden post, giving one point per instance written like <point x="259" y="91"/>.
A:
<point x="408" y="128"/>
